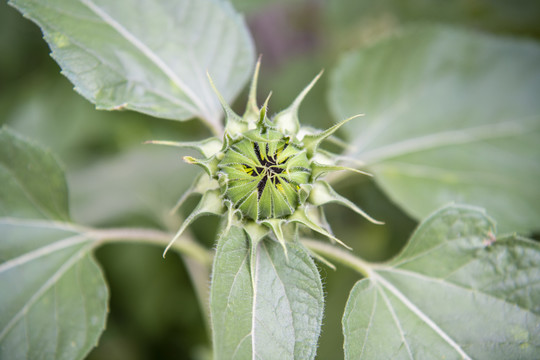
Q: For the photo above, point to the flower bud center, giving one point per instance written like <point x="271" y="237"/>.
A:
<point x="261" y="175"/>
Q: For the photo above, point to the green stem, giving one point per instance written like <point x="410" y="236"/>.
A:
<point x="341" y="256"/>
<point x="200" y="277"/>
<point x="198" y="259"/>
<point x="184" y="245"/>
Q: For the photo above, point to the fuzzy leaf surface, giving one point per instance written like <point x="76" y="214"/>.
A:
<point x="148" y="56"/>
<point x="274" y="313"/>
<point x="33" y="183"/>
<point x="451" y="115"/>
<point x="53" y="297"/>
<point x="454" y="292"/>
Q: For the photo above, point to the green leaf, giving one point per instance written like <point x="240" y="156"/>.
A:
<point x="451" y="115"/>
<point x="54" y="297"/>
<point x="274" y="312"/>
<point x="33" y="183"/>
<point x="454" y="292"/>
<point x="148" y="56"/>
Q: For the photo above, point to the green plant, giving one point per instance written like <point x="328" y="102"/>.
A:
<point x="440" y="131"/>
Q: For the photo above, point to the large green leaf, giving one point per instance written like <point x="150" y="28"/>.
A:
<point x="274" y="313"/>
<point x="33" y="183"/>
<point x="455" y="292"/>
<point x="450" y="116"/>
<point x="148" y="56"/>
<point x="53" y="297"/>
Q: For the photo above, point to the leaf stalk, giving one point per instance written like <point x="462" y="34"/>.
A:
<point x="185" y="245"/>
<point x="341" y="256"/>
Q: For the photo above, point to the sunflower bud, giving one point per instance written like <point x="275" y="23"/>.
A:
<point x="267" y="174"/>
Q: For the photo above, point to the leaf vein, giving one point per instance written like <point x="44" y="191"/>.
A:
<point x="149" y="53"/>
<point x="444" y="138"/>
<point x="371" y="317"/>
<point x="178" y="101"/>
<point x="396" y="320"/>
<point x="42" y="251"/>
<point x="446" y="282"/>
<point x="50" y="282"/>
<point x="426" y="319"/>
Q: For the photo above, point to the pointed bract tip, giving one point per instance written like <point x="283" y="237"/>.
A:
<point x="267" y="100"/>
<point x="323" y="193"/>
<point x="318" y="169"/>
<point x="209" y="165"/>
<point x="296" y="103"/>
<point x="276" y="226"/>
<point x="252" y="97"/>
<point x="164" y="142"/>
<point x="210" y="203"/>
<point x="287" y="120"/>
<point x="264" y="111"/>
<point x="234" y="124"/>
<point x="312" y="141"/>
<point x="222" y="101"/>
<point x="301" y="216"/>
<point x="190" y="160"/>
<point x="207" y="147"/>
<point x="252" y="110"/>
<point x="176" y="236"/>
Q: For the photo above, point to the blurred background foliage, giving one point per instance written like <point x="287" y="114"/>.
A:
<point x="115" y="180"/>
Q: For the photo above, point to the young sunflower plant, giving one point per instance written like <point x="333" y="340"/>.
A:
<point x="265" y="174"/>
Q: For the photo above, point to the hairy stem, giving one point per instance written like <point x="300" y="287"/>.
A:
<point x="197" y="259"/>
<point x="341" y="256"/>
<point x="185" y="245"/>
<point x="200" y="278"/>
